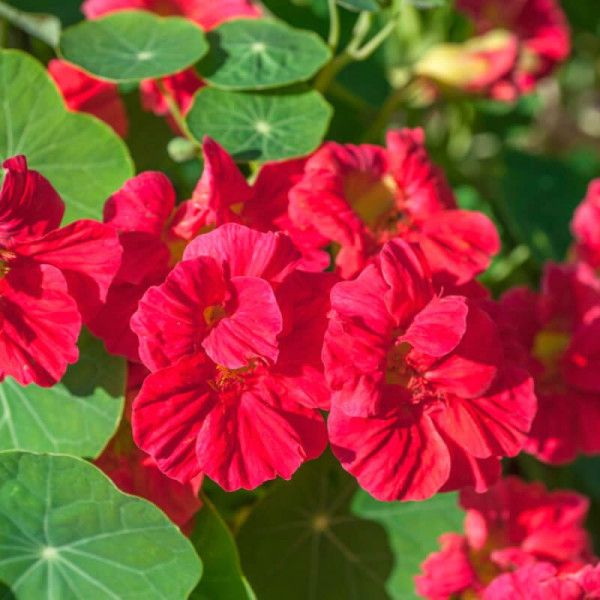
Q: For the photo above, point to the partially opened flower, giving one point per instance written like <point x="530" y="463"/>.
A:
<point x="51" y="279"/>
<point x="559" y="328"/>
<point x="423" y="399"/>
<point x="513" y="525"/>
<point x="359" y="197"/>
<point x="84" y="93"/>
<point x="481" y="65"/>
<point x="542" y="32"/>
<point x="234" y="350"/>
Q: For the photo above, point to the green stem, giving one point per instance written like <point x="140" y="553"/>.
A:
<point x="334" y="66"/>
<point x="3" y="32"/>
<point x="334" y="25"/>
<point x="174" y="110"/>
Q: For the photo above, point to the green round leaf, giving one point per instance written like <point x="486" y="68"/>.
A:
<point x="222" y="577"/>
<point x="133" y="45"/>
<point x="260" y="127"/>
<point x="77" y="416"/>
<point x="413" y="529"/>
<point x="302" y="542"/>
<point x="248" y="54"/>
<point x="67" y="533"/>
<point x="82" y="157"/>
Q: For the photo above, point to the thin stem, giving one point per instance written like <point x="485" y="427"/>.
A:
<point x="334" y="25"/>
<point x="375" y="41"/>
<point x="333" y="67"/>
<point x="174" y="110"/>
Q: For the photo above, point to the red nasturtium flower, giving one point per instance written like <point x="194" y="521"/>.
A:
<point x="51" y="279"/>
<point x="541" y="29"/>
<point x="233" y="337"/>
<point x="205" y="13"/>
<point x="559" y="328"/>
<point x="154" y="233"/>
<point x="422" y="397"/>
<point x="513" y="525"/>
<point x="359" y="197"/>
<point x="83" y="93"/>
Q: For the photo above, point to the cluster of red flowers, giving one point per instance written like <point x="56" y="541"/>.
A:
<point x="520" y="542"/>
<point x="342" y="283"/>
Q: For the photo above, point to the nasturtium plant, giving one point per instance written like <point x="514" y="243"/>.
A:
<point x="133" y="45"/>
<point x="299" y="299"/>
<point x="262" y="127"/>
<point x="68" y="533"/>
<point x="35" y="122"/>
<point x="77" y="416"/>
<point x="255" y="54"/>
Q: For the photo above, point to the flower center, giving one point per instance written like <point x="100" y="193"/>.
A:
<point x="213" y="314"/>
<point x="373" y="199"/>
<point x="549" y="348"/>
<point x="397" y="371"/>
<point x="234" y="380"/>
<point x="6" y="256"/>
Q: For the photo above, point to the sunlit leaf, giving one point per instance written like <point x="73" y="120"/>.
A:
<point x="260" y="127"/>
<point x="67" y="533"/>
<point x="133" y="45"/>
<point x="413" y="529"/>
<point x="82" y="157"/>
<point x="370" y="5"/>
<point x="260" y="54"/>
<point x="77" y="416"/>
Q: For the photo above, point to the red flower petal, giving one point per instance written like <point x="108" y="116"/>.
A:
<point x="404" y="269"/>
<point x="250" y="331"/>
<point x="88" y="254"/>
<point x="439" y="327"/>
<point x="168" y="414"/>
<point x="29" y="205"/>
<point x="496" y="424"/>
<point x="396" y="455"/>
<point x="143" y="204"/>
<point x="221" y="186"/>
<point x="40" y="324"/>
<point x="170" y="321"/>
<point x="357" y="340"/>
<point x="241" y="436"/>
<point x="470" y="369"/>
<point x="458" y="244"/>
<point x="83" y="93"/>
<point x="244" y="251"/>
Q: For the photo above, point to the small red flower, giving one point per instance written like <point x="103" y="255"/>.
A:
<point x="513" y="525"/>
<point x="233" y="336"/>
<point x="362" y="196"/>
<point x="83" y="93"/>
<point x="422" y="399"/>
<point x="559" y="330"/>
<point x="50" y="278"/>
